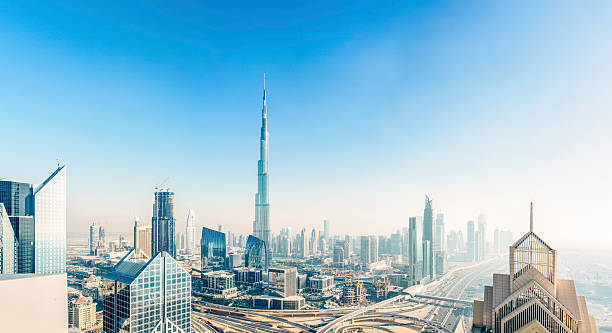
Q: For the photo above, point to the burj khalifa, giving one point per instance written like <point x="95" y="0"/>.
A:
<point x="261" y="225"/>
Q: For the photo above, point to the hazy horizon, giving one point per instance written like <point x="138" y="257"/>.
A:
<point x="484" y="107"/>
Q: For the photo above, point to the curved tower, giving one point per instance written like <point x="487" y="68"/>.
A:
<point x="262" y="206"/>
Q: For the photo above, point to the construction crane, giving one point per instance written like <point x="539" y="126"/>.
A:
<point x="158" y="186"/>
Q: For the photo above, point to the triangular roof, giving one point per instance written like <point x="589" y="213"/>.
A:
<point x="531" y="234"/>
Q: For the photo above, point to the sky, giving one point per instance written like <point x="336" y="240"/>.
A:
<point x="484" y="106"/>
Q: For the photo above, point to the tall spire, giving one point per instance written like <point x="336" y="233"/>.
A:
<point x="265" y="109"/>
<point x="531" y="217"/>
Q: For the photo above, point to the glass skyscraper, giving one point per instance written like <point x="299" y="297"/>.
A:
<point x="37" y="214"/>
<point x="143" y="295"/>
<point x="163" y="223"/>
<point x="7" y="244"/>
<point x="415" y="248"/>
<point x="428" y="235"/>
<point x="256" y="254"/>
<point x="213" y="248"/>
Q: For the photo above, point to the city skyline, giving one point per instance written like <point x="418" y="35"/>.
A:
<point x="434" y="123"/>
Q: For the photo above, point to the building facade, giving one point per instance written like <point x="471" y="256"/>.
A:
<point x="220" y="284"/>
<point x="531" y="298"/>
<point x="428" y="236"/>
<point x="282" y="281"/>
<point x="415" y="249"/>
<point x="143" y="295"/>
<point x="256" y="253"/>
<point x="190" y="237"/>
<point x="8" y="244"/>
<point x="82" y="313"/>
<point x="213" y="248"/>
<point x="38" y="216"/>
<point x="163" y="222"/>
<point x="143" y="235"/>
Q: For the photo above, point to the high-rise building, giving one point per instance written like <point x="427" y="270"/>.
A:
<point x="496" y="244"/>
<point x="213" y="248"/>
<point x="415" y="249"/>
<point x="262" y="204"/>
<point x="482" y="240"/>
<point x="531" y="298"/>
<point x="314" y="241"/>
<point x="142" y="237"/>
<point x="341" y="251"/>
<point x="147" y="295"/>
<point x="93" y="238"/>
<point x="366" y="257"/>
<point x="471" y="242"/>
<point x="395" y="243"/>
<point x="373" y="249"/>
<point x="256" y="253"/>
<point x="190" y="238"/>
<point x="326" y="230"/>
<point x="163" y="222"/>
<point x="8" y="242"/>
<point x="439" y="233"/>
<point x="38" y="216"/>
<point x="282" y="281"/>
<point x="428" y="235"/>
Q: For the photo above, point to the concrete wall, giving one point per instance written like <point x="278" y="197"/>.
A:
<point x="34" y="303"/>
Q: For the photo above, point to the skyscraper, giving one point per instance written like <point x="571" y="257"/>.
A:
<point x="415" y="249"/>
<point x="142" y="237"/>
<point x="482" y="240"/>
<point x="93" y="239"/>
<point x="428" y="235"/>
<point x="190" y="232"/>
<point x="365" y="250"/>
<point x="326" y="230"/>
<point x="163" y="223"/>
<point x="143" y="295"/>
<point x="471" y="242"/>
<point x="8" y="262"/>
<point x="38" y="216"/>
<point x="213" y="248"/>
<point x="256" y="254"/>
<point x="262" y="204"/>
<point x="530" y="298"/>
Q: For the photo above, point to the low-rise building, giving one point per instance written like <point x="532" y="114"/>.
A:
<point x="279" y="303"/>
<point x="219" y="284"/>
<point x="321" y="283"/>
<point x="248" y="276"/>
<point x="82" y="313"/>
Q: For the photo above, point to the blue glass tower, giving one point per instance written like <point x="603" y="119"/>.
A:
<point x="256" y="253"/>
<point x="213" y="248"/>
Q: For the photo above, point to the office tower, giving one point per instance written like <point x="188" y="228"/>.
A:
<point x="439" y="233"/>
<point x="181" y="241"/>
<point x="341" y="250"/>
<point x="262" y="204"/>
<point x="314" y="242"/>
<point x="530" y="298"/>
<point x="101" y="237"/>
<point x="147" y="295"/>
<point x="395" y="243"/>
<point x="33" y="303"/>
<point x="302" y="244"/>
<point x="213" y="248"/>
<point x="366" y="257"/>
<point x="471" y="244"/>
<point x="477" y="248"/>
<point x="496" y="244"/>
<point x="282" y="281"/>
<point x="482" y="227"/>
<point x="373" y="249"/>
<point x="427" y="260"/>
<point x="82" y="313"/>
<point x="415" y="249"/>
<point x="349" y="240"/>
<point x="256" y="254"/>
<point x="93" y="239"/>
<point x="163" y="223"/>
<point x="326" y="230"/>
<point x="190" y="238"/>
<point x="142" y="237"/>
<point x="241" y="241"/>
<point x="8" y="249"/>
<point x="38" y="216"/>
<point x="428" y="235"/>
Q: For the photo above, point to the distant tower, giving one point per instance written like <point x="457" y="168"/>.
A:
<point x="482" y="232"/>
<point x="262" y="204"/>
<point x="190" y="231"/>
<point x="93" y="239"/>
<point x="142" y="237"/>
<point x="428" y="235"/>
<point x="471" y="242"/>
<point x="163" y="223"/>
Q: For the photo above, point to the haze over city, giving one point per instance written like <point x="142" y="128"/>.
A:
<point x="484" y="107"/>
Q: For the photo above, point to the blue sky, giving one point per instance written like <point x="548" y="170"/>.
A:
<point x="483" y="105"/>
